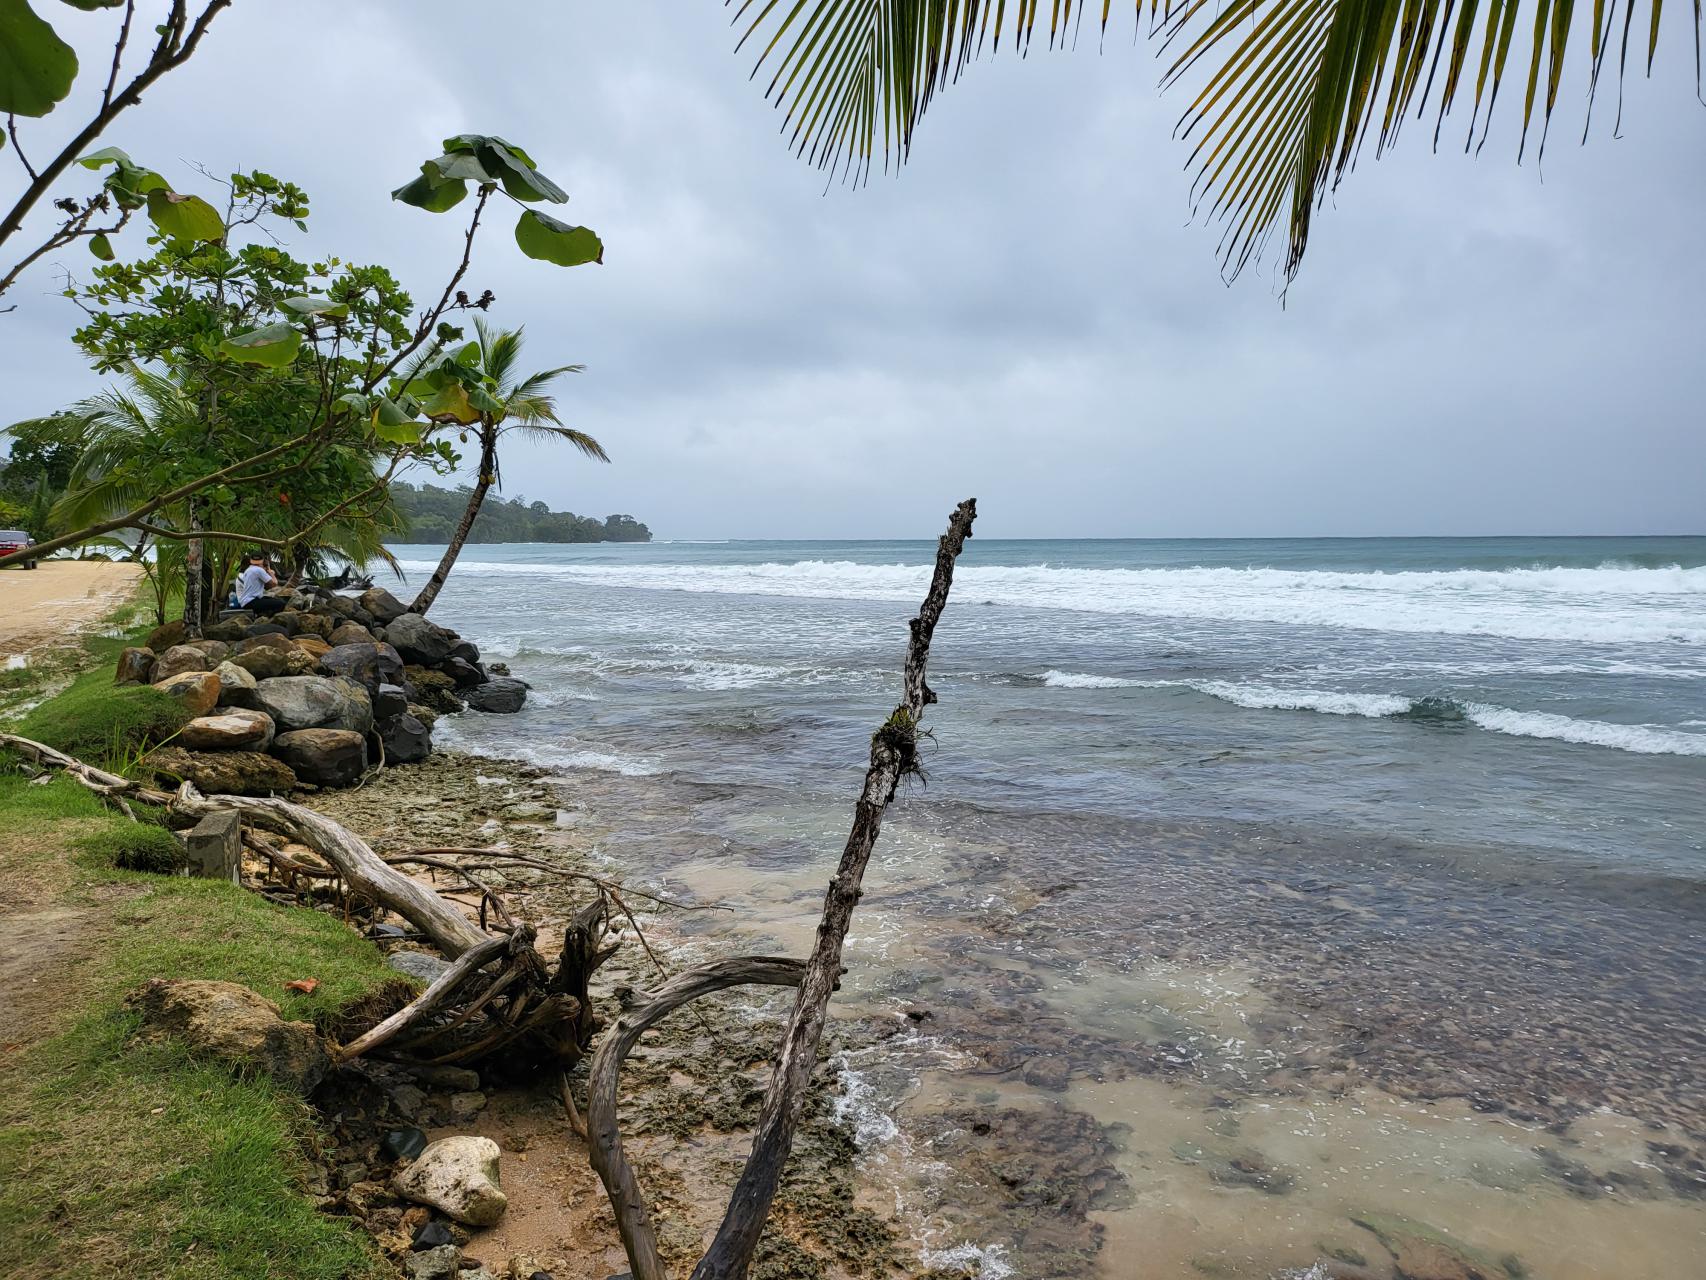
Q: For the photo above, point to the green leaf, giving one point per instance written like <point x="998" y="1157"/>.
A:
<point x="106" y="155"/>
<point x="101" y="247"/>
<point x="393" y="425"/>
<point x="36" y="66"/>
<point x="183" y="217"/>
<point x="431" y="192"/>
<point x="354" y="401"/>
<point x="483" y="400"/>
<point x="521" y="180"/>
<point x="89" y="6"/>
<point x="458" y="167"/>
<point x="273" y="345"/>
<point x="545" y="238"/>
<point x="451" y="402"/>
<point x="314" y="305"/>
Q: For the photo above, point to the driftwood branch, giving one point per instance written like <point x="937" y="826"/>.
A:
<point x="429" y="1001"/>
<point x="894" y="755"/>
<point x="109" y="786"/>
<point x="608" y="1159"/>
<point x="362" y="869"/>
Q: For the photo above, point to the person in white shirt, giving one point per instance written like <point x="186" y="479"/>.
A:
<point x="252" y="586"/>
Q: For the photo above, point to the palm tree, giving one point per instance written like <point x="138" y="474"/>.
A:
<point x="1292" y="89"/>
<point x="520" y="405"/>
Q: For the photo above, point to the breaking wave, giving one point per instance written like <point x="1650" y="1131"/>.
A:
<point x="1613" y="603"/>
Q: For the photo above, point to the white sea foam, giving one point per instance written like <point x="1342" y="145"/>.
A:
<point x="1079" y="680"/>
<point x="986" y="1262"/>
<point x="1609" y="604"/>
<point x="1643" y="739"/>
<point x="547" y="755"/>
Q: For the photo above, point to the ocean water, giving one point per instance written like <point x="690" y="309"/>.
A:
<point x="1376" y="865"/>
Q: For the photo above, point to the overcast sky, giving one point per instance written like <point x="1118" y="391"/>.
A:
<point x="1026" y="315"/>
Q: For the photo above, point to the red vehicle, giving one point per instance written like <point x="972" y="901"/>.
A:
<point x="16" y="540"/>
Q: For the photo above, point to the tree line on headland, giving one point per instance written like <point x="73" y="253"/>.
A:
<point x="430" y="515"/>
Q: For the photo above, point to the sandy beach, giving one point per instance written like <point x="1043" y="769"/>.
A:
<point x="58" y="598"/>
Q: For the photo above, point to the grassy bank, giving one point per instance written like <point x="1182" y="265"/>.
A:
<point x="123" y="1160"/>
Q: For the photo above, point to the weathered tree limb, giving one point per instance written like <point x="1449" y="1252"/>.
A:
<point x="894" y="754"/>
<point x="365" y="872"/>
<point x="109" y="786"/>
<point x="608" y="1159"/>
<point x="433" y="998"/>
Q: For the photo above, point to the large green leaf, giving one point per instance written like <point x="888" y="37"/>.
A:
<point x="314" y="305"/>
<point x="459" y="167"/>
<point x="451" y="404"/>
<point x="430" y="192"/>
<point x="273" y="345"/>
<point x="101" y="247"/>
<point x="106" y="155"/>
<point x="182" y="217"/>
<point x="392" y="424"/>
<point x="37" y="68"/>
<point x="545" y="238"/>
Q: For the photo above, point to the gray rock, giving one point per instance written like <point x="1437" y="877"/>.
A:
<point x="500" y="695"/>
<point x="231" y="1023"/>
<point x="236" y="773"/>
<point x="325" y="757"/>
<point x="356" y="714"/>
<point x="236" y="686"/>
<point x="406" y="739"/>
<point x="465" y="674"/>
<point x="351" y="632"/>
<point x="179" y="660"/>
<point x="388" y="700"/>
<point x="444" y="1262"/>
<point x="419" y="964"/>
<point x="357" y="661"/>
<point x="1048" y="1072"/>
<point x="384" y="606"/>
<point x="466" y="651"/>
<point x="304" y="702"/>
<point x="459" y="1177"/>
<point x="264" y="664"/>
<point x="418" y="640"/>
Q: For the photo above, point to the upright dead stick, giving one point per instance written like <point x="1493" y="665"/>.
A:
<point x="894" y="754"/>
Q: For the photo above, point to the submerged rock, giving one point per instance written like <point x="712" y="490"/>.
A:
<point x="1421" y="1252"/>
<point x="500" y="695"/>
<point x="234" y="1025"/>
<point x="459" y="1177"/>
<point x="237" y="773"/>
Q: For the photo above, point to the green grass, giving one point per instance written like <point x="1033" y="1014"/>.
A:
<point x="135" y="846"/>
<point x="120" y="1160"/>
<point x="102" y="724"/>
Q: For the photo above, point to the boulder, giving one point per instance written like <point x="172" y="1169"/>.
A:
<point x="231" y="1023"/>
<point x="500" y="695"/>
<point x="464" y="673"/>
<point x="179" y="659"/>
<point x="236" y="773"/>
<point x="465" y="650"/>
<point x="263" y="664"/>
<point x="135" y="666"/>
<point x="384" y="606"/>
<point x="325" y="757"/>
<point x="236" y="686"/>
<point x="299" y="662"/>
<point x="356" y="712"/>
<point x="338" y="606"/>
<point x="302" y="702"/>
<point x="196" y="691"/>
<point x="433" y="1262"/>
<point x="216" y="651"/>
<point x="314" y="646"/>
<point x="289" y="619"/>
<point x="265" y="628"/>
<point x="314" y="624"/>
<point x="349" y="633"/>
<point x="432" y="689"/>
<point x="229" y="630"/>
<point x="419" y="640"/>
<point x="389" y="700"/>
<point x="390" y="664"/>
<point x="459" y="1177"/>
<point x="166" y="635"/>
<point x="267" y="640"/>
<point x="358" y="662"/>
<point x="404" y="738"/>
<point x="231" y="730"/>
<point x="426" y="715"/>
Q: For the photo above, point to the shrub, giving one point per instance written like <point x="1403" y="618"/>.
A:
<point x="136" y="846"/>
<point x="97" y="722"/>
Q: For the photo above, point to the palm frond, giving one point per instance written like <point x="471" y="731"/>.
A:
<point x="579" y="439"/>
<point x="1293" y="87"/>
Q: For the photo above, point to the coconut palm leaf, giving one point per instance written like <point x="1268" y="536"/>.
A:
<point x="579" y="439"/>
<point x="1291" y="88"/>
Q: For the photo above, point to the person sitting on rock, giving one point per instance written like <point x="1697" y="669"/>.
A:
<point x="252" y="586"/>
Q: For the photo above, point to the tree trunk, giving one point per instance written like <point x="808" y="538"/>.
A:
<point x="488" y="466"/>
<point x="193" y="609"/>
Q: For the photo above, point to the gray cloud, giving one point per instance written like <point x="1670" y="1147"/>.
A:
<point x="1026" y="313"/>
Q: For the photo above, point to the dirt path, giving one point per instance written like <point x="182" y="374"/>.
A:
<point x="58" y="598"/>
